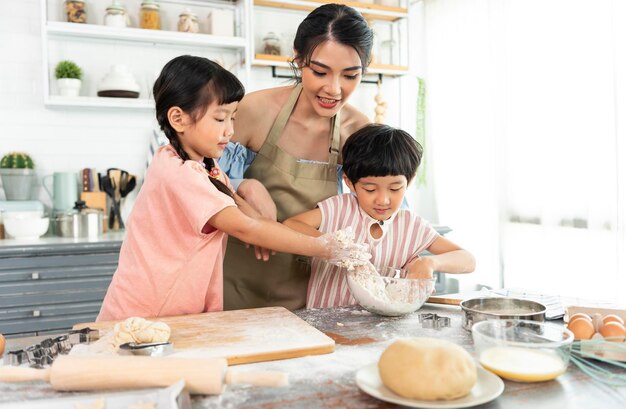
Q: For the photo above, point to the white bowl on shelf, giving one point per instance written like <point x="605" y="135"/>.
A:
<point x="26" y="227"/>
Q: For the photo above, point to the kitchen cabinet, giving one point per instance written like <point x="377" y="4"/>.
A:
<point x="95" y="47"/>
<point x="50" y="284"/>
<point x="282" y="17"/>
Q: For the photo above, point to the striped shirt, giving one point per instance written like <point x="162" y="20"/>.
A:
<point x="405" y="235"/>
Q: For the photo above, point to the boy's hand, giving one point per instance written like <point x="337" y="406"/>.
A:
<point x="421" y="267"/>
<point x="343" y="251"/>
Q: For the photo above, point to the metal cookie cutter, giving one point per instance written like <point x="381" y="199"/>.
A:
<point x="81" y="336"/>
<point x="433" y="321"/>
<point x="16" y="357"/>
<point x="44" y="353"/>
<point x="153" y="349"/>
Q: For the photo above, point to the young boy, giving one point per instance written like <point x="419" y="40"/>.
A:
<point x="379" y="162"/>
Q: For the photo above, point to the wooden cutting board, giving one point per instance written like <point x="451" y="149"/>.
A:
<point x="241" y="336"/>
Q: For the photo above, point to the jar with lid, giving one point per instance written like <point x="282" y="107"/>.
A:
<point x="188" y="22"/>
<point x="115" y="15"/>
<point x="271" y="44"/>
<point x="76" y="11"/>
<point x="150" y="16"/>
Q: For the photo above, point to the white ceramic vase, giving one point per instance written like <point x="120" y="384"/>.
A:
<point x="68" y="87"/>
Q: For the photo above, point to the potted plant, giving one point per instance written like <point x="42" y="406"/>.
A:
<point x="68" y="76"/>
<point x="18" y="175"/>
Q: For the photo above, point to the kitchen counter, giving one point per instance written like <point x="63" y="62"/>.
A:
<point x="327" y="381"/>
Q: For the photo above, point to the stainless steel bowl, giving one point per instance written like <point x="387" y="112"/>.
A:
<point x="490" y="308"/>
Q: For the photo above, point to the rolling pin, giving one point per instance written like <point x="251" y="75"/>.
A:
<point x="206" y="376"/>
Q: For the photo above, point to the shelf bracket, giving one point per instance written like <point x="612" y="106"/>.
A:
<point x="292" y="77"/>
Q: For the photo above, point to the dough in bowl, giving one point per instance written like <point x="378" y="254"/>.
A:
<point x="427" y="369"/>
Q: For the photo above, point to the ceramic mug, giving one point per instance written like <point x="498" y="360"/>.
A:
<point x="64" y="192"/>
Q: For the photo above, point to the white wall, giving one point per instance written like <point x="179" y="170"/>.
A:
<point x="66" y="139"/>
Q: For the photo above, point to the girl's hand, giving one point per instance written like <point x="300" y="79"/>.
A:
<point x="343" y="251"/>
<point x="421" y="267"/>
<point x="258" y="203"/>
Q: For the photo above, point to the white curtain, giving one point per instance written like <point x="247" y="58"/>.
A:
<point x="525" y="109"/>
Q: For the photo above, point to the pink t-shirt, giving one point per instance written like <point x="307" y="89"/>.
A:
<point x="168" y="265"/>
<point x="405" y="235"/>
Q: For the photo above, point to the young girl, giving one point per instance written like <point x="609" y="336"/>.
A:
<point x="171" y="260"/>
<point x="379" y="162"/>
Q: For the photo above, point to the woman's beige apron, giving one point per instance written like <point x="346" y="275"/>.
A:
<point x="295" y="187"/>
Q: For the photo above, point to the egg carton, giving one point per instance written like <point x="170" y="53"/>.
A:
<point x="603" y="351"/>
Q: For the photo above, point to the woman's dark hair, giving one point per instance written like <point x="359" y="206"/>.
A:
<point x="334" y="22"/>
<point x="192" y="84"/>
<point x="380" y="150"/>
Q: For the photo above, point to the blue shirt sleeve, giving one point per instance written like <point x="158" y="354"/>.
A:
<point x="235" y="160"/>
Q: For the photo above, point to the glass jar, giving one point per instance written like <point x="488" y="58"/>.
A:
<point x="188" y="22"/>
<point x="76" y="11"/>
<point x="115" y="15"/>
<point x="150" y="17"/>
<point x="271" y="44"/>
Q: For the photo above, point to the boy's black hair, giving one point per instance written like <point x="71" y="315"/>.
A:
<point x="380" y="150"/>
<point x="193" y="83"/>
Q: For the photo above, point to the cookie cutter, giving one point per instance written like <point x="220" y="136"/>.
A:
<point x="433" y="321"/>
<point x="148" y="349"/>
<point x="44" y="353"/>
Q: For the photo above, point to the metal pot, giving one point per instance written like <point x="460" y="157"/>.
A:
<point x="489" y="308"/>
<point x="80" y="222"/>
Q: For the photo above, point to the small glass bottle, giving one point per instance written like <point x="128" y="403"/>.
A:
<point x="76" y="11"/>
<point x="188" y="22"/>
<point x="271" y="44"/>
<point x="150" y="16"/>
<point x="115" y="15"/>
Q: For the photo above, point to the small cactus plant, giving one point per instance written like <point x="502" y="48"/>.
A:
<point x="16" y="160"/>
<point x="68" y="69"/>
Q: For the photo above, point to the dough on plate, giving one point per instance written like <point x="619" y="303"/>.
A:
<point x="427" y="369"/>
<point x="141" y="331"/>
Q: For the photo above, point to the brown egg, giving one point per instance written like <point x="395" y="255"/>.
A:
<point x="613" y="331"/>
<point x="1" y="345"/>
<point x="580" y="315"/>
<point x="581" y="328"/>
<point x="612" y="318"/>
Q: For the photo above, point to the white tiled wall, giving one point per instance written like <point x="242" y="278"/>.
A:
<point x="66" y="139"/>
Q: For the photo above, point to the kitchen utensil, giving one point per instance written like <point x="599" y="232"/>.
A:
<point x="433" y="321"/>
<point x="489" y="308"/>
<point x="151" y="349"/>
<point x="79" y="222"/>
<point x="64" y="190"/>
<point x="241" y="336"/>
<point x="82" y="373"/>
<point x="25" y="227"/>
<point x="115" y="176"/>
<point x="108" y="185"/>
<point x="384" y="295"/>
<point x="130" y="186"/>
<point x="522" y="350"/>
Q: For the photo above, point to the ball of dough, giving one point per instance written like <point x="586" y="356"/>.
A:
<point x="427" y="369"/>
<point x="141" y="331"/>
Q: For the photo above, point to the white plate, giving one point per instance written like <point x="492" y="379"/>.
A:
<point x="488" y="387"/>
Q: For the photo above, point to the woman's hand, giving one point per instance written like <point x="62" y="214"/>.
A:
<point x="421" y="267"/>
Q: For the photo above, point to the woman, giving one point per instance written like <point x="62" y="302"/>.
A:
<point x="297" y="133"/>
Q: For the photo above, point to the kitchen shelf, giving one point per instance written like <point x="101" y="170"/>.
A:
<point x="369" y="11"/>
<point x="57" y="29"/>
<point x="283" y="61"/>
<point x="99" y="102"/>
